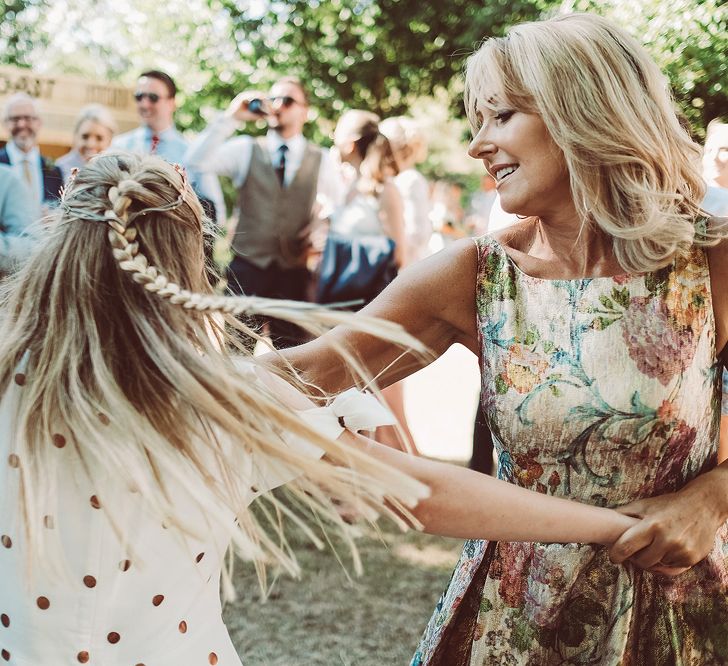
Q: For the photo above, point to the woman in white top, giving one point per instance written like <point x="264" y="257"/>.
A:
<point x="132" y="442"/>
<point x="410" y="148"/>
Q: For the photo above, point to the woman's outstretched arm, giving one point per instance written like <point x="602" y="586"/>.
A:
<point x="469" y="505"/>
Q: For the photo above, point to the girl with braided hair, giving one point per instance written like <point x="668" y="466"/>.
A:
<point x="133" y="441"/>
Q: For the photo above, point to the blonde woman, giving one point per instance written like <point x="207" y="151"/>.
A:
<point x="132" y="443"/>
<point x="410" y="148"/>
<point x="370" y="216"/>
<point x="92" y="134"/>
<point x="601" y="330"/>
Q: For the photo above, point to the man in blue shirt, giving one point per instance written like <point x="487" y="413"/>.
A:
<point x="155" y="97"/>
<point x="16" y="215"/>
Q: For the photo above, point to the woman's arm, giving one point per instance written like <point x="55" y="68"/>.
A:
<point x="679" y="529"/>
<point x="434" y="300"/>
<point x="469" y="505"/>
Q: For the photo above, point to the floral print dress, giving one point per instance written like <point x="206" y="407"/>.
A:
<point x="603" y="390"/>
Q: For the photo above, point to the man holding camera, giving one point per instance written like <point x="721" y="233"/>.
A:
<point x="284" y="183"/>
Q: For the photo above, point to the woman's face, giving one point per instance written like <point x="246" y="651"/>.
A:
<point x="527" y="165"/>
<point x="92" y="138"/>
<point x="716" y="156"/>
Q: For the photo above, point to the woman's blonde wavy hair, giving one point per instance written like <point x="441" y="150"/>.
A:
<point x="124" y="347"/>
<point x="634" y="170"/>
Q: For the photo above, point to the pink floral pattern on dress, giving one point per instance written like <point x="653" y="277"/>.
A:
<point x="602" y="390"/>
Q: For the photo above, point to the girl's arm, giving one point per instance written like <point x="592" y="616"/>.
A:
<point x="469" y="505"/>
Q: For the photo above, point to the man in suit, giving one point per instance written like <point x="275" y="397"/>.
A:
<point x="42" y="179"/>
<point x="155" y="96"/>
<point x="15" y="218"/>
<point x="283" y="182"/>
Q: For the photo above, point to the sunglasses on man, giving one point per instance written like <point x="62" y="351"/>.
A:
<point x="285" y="100"/>
<point x="152" y="97"/>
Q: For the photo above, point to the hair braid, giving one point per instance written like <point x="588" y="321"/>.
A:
<point x="125" y="247"/>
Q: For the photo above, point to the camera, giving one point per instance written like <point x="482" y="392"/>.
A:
<point x="256" y="106"/>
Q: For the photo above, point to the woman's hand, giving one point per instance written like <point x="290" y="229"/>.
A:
<point x="676" y="530"/>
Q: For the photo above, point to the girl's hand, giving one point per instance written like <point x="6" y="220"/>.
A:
<point x="676" y="530"/>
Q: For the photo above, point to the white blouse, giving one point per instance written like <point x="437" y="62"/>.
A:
<point x="153" y="602"/>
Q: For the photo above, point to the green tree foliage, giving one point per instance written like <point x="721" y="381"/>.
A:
<point x="19" y="35"/>
<point x="689" y="41"/>
<point x="373" y="54"/>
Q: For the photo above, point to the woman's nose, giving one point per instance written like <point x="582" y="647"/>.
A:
<point x="481" y="146"/>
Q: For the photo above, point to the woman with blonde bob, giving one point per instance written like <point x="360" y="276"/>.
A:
<point x="95" y="127"/>
<point x="133" y="442"/>
<point x="601" y="331"/>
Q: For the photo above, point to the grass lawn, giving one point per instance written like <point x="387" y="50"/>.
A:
<point x="325" y="619"/>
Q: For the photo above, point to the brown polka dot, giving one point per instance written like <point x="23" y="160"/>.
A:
<point x="59" y="441"/>
<point x="95" y="502"/>
<point x="158" y="599"/>
<point x="13" y="460"/>
<point x="198" y="559"/>
<point x="212" y="658"/>
<point x="20" y="379"/>
<point x="105" y="420"/>
<point x="113" y="637"/>
<point x="89" y="581"/>
<point x="124" y="565"/>
<point x="43" y="603"/>
<point x="82" y="657"/>
<point x="183" y="627"/>
<point x="5" y="620"/>
<point x="48" y="522"/>
<point x="6" y="541"/>
<point x="6" y="655"/>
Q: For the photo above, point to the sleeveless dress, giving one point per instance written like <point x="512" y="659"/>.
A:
<point x="603" y="390"/>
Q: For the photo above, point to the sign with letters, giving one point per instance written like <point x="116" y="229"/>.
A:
<point x="61" y="98"/>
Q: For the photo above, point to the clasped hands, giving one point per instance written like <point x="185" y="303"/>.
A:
<point x="676" y="530"/>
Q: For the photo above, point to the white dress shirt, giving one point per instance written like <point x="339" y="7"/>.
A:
<point x="215" y="151"/>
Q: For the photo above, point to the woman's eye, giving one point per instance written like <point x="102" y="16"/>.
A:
<point x="503" y="116"/>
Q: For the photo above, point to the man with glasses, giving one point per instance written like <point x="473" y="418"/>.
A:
<point x="43" y="181"/>
<point x="155" y="97"/>
<point x="285" y="184"/>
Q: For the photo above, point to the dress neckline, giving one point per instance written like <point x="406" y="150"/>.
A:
<point x="620" y="278"/>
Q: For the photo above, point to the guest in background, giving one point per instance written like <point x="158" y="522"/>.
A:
<point x="372" y="208"/>
<point x="42" y="179"/>
<point x="715" y="172"/>
<point x="92" y="134"/>
<point x="156" y="99"/>
<point x="285" y="183"/>
<point x="15" y="219"/>
<point x="410" y="148"/>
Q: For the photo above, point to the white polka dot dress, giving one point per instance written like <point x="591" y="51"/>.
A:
<point x="155" y="602"/>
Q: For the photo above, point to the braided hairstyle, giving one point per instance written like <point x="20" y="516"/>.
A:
<point x="125" y="351"/>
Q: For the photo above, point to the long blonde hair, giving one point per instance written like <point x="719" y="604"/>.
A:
<point x="378" y="163"/>
<point x="125" y="356"/>
<point x="634" y="170"/>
